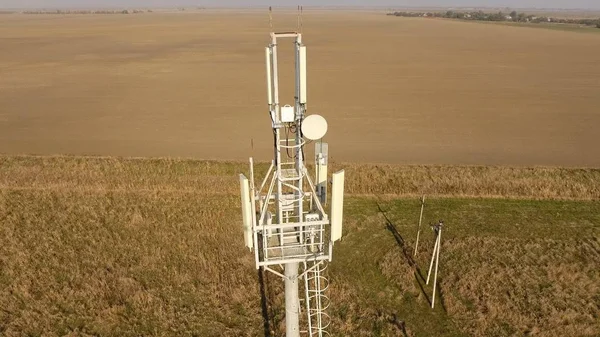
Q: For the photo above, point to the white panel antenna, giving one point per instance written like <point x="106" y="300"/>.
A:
<point x="302" y="69"/>
<point x="337" y="205"/>
<point x="246" y="211"/>
<point x="269" y="63"/>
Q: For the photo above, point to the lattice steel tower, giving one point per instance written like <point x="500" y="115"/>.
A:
<point x="284" y="220"/>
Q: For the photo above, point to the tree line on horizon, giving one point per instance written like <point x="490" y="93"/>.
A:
<point x="101" y="11"/>
<point x="500" y="16"/>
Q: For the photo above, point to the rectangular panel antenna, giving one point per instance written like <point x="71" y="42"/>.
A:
<point x="269" y="64"/>
<point x="337" y="205"/>
<point x="246" y="211"/>
<point x="302" y="70"/>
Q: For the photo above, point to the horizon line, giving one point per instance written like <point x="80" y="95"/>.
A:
<point x="307" y="7"/>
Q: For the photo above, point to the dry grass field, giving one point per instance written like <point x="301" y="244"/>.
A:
<point x="128" y="247"/>
<point x="393" y="90"/>
<point x="499" y="123"/>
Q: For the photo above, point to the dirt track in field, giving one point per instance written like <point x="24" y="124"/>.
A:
<point x="394" y="90"/>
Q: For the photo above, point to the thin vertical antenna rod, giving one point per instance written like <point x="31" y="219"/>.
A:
<point x="298" y="28"/>
<point x="419" y="229"/>
<point x="271" y="18"/>
<point x="301" y="14"/>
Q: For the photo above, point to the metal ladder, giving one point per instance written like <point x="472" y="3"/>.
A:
<point x="290" y="178"/>
<point x="315" y="285"/>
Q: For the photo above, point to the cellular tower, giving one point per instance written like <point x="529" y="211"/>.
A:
<point x="284" y="219"/>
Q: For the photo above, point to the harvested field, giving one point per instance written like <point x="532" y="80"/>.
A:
<point x="153" y="247"/>
<point x="393" y="90"/>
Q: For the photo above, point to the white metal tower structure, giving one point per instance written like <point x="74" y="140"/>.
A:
<point x="284" y="220"/>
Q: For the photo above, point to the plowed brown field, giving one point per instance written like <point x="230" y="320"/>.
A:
<point x="394" y="90"/>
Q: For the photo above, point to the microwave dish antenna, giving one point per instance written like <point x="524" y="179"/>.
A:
<point x="314" y="127"/>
